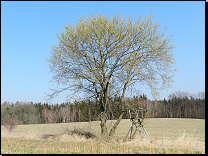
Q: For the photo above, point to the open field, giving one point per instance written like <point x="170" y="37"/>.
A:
<point x="169" y="135"/>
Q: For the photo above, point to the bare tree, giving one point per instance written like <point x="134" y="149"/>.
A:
<point x="89" y="114"/>
<point x="49" y="115"/>
<point x="74" y="115"/>
<point x="65" y="113"/>
<point x="200" y="95"/>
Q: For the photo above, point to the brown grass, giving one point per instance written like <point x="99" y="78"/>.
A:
<point x="168" y="135"/>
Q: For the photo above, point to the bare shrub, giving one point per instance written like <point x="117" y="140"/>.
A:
<point x="10" y="124"/>
<point x="80" y="132"/>
<point x="76" y="132"/>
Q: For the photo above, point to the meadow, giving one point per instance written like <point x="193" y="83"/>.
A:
<point x="169" y="135"/>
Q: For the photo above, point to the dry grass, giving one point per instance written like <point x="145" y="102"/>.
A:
<point x="168" y="135"/>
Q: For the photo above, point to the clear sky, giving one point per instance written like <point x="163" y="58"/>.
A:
<point x="29" y="28"/>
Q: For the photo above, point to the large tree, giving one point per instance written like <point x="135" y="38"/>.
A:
<point x="100" y="53"/>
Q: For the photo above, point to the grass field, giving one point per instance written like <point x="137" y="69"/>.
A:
<point x="169" y="135"/>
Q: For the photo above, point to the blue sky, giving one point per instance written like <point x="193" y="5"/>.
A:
<point x="29" y="28"/>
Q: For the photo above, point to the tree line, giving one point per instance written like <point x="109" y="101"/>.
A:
<point x="183" y="105"/>
<point x="178" y="105"/>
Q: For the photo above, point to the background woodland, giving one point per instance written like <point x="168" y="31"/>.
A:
<point x="178" y="105"/>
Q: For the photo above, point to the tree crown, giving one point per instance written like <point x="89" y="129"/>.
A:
<point x="102" y="52"/>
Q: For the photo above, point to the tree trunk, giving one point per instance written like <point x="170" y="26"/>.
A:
<point x="79" y="115"/>
<point x="112" y="131"/>
<point x="103" y="119"/>
<point x="89" y="115"/>
<point x="103" y="108"/>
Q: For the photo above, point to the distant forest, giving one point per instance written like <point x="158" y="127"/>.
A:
<point x="178" y="105"/>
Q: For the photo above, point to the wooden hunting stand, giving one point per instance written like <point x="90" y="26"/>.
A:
<point x="137" y="117"/>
